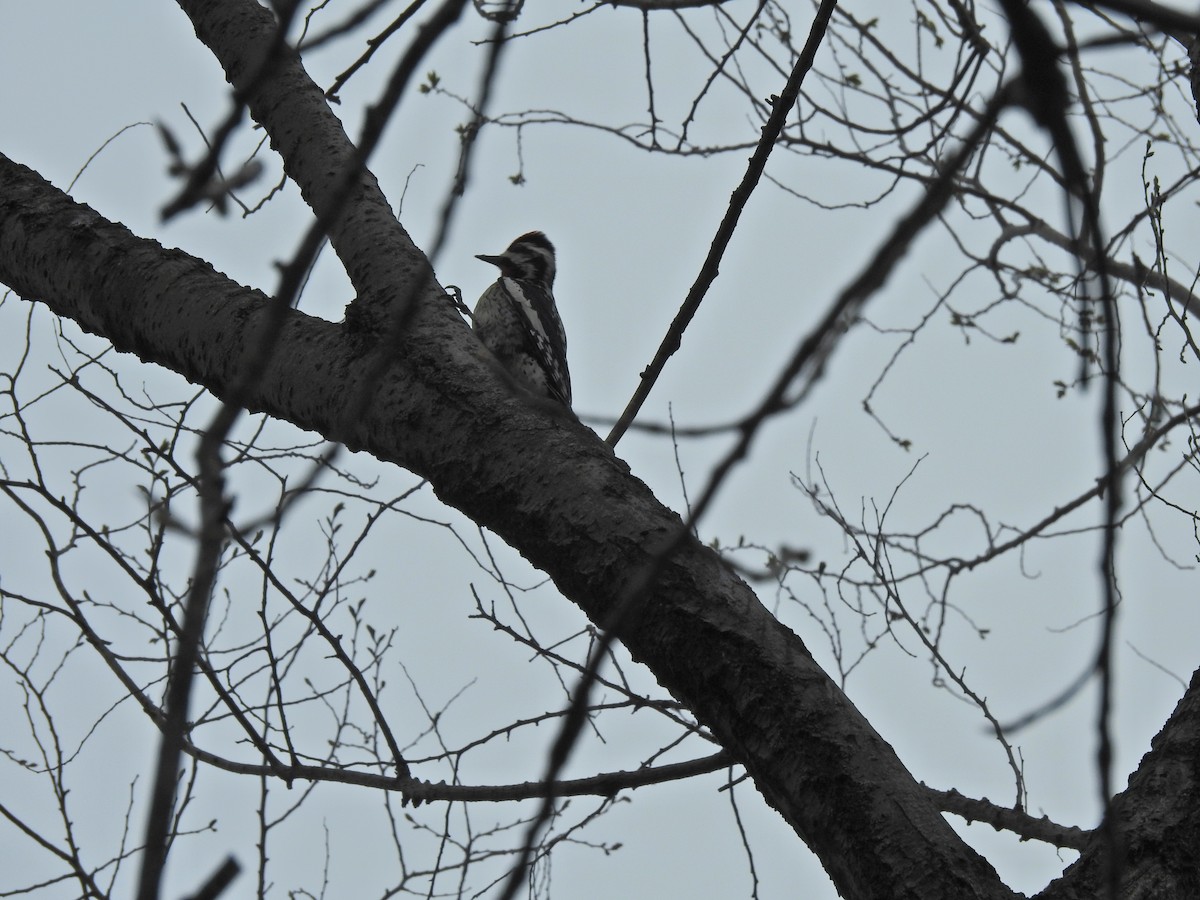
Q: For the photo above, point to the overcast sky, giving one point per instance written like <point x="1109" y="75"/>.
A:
<point x="631" y="230"/>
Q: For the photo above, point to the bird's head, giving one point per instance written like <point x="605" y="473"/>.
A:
<point x="529" y="258"/>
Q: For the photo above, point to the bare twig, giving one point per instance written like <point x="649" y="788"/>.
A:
<point x="781" y="108"/>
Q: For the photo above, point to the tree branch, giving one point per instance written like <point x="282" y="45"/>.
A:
<point x="548" y="487"/>
<point x="1005" y="819"/>
<point x="781" y="108"/>
<point x="1157" y="817"/>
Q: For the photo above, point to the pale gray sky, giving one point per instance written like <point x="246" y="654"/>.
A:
<point x="631" y="231"/>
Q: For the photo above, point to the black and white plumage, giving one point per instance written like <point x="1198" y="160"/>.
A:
<point x="517" y="320"/>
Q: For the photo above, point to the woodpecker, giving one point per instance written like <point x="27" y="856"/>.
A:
<point x="517" y="320"/>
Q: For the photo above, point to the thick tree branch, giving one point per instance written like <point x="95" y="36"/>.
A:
<point x="316" y="151"/>
<point x="552" y="490"/>
<point x="1157" y="818"/>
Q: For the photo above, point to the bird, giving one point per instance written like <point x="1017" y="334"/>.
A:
<point x="517" y="320"/>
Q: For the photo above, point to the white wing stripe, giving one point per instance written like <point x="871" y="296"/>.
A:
<point x="514" y="290"/>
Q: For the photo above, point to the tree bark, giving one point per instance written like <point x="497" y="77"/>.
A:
<point x="550" y="488"/>
<point x="1158" y="821"/>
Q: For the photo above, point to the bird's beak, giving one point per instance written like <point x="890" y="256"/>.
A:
<point x="497" y="261"/>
